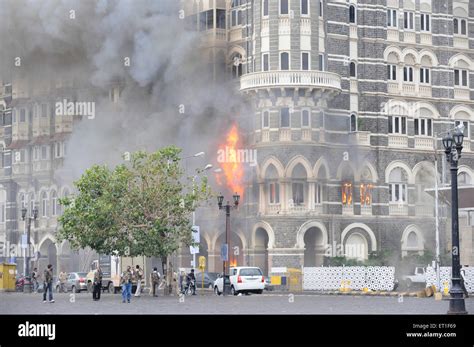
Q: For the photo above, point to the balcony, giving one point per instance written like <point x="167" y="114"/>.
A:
<point x="284" y="27"/>
<point x="360" y="138"/>
<point x="305" y="26"/>
<point x="409" y="89"/>
<point x="424" y="91"/>
<point x="462" y="93"/>
<point x="235" y="34"/>
<point x="392" y="35"/>
<point x="461" y="42"/>
<point x="265" y="135"/>
<point x="395" y="140"/>
<point x="424" y="143"/>
<point x="409" y="37"/>
<point x="424" y="210"/>
<point x="392" y="88"/>
<point x="306" y="135"/>
<point x="366" y="210"/>
<point x="297" y="209"/>
<point x="283" y="79"/>
<point x="425" y="39"/>
<point x="396" y="209"/>
<point x="347" y="209"/>
<point x="273" y="209"/>
<point x="285" y="135"/>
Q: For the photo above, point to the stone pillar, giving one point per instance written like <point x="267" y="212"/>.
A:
<point x="262" y="200"/>
<point x="284" y="194"/>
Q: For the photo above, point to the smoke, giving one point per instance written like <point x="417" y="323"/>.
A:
<point x="167" y="94"/>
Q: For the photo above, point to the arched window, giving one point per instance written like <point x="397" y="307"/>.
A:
<point x="352" y="69"/>
<point x="273" y="186"/>
<point x="44" y="204"/>
<point x="54" y="203"/>
<point x="285" y="117"/>
<point x="298" y="185"/>
<point x="464" y="179"/>
<point x="352" y="14"/>
<point x="353" y="121"/>
<point x="398" y="186"/>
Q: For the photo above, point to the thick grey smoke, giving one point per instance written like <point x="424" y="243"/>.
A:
<point x="91" y="42"/>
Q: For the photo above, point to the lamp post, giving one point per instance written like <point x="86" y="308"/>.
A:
<point x="227" y="207"/>
<point x="27" y="282"/>
<point x="453" y="147"/>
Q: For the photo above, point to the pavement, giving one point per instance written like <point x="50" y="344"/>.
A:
<point x="207" y="303"/>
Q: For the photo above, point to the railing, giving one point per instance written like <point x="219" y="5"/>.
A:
<point x="361" y="138"/>
<point x="273" y="209"/>
<point x="353" y="31"/>
<point x="21" y="168"/>
<point x="393" y="35"/>
<point x="424" y="143"/>
<point x="425" y="39"/>
<point x="409" y="88"/>
<point x="306" y="134"/>
<point x="396" y="209"/>
<point x="297" y="209"/>
<point x="425" y="91"/>
<point x="235" y="34"/>
<point x="347" y="209"/>
<point x="395" y="140"/>
<point x="265" y="135"/>
<point x="284" y="27"/>
<point x="462" y="93"/>
<point x="366" y="210"/>
<point x="409" y="36"/>
<point x="392" y="88"/>
<point x="424" y="210"/>
<point x="318" y="208"/>
<point x="285" y="135"/>
<point x="317" y="79"/>
<point x="305" y="26"/>
<point x="461" y="42"/>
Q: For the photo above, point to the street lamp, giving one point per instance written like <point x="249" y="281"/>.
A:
<point x="27" y="283"/>
<point x="227" y="207"/>
<point x="453" y="147"/>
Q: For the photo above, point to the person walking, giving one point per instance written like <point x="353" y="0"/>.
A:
<point x="138" y="277"/>
<point x="48" y="283"/>
<point x="155" y="280"/>
<point x="34" y="280"/>
<point x="126" y="282"/>
<point x="62" y="282"/>
<point x="191" y="280"/>
<point x="97" y="284"/>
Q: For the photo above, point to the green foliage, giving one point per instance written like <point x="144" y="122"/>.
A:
<point x="139" y="208"/>
<point x="380" y="258"/>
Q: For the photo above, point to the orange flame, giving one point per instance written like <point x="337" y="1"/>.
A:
<point x="231" y="165"/>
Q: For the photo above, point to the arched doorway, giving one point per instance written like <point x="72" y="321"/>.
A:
<point x="261" y="250"/>
<point x="356" y="247"/>
<point x="236" y="251"/>
<point x="49" y="255"/>
<point x="313" y="247"/>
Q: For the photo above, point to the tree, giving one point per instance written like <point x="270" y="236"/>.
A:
<point x="140" y="208"/>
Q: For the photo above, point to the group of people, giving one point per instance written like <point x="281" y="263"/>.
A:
<point x="126" y="279"/>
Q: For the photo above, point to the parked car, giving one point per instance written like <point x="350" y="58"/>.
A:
<point x="243" y="280"/>
<point x="268" y="284"/>
<point x="75" y="282"/>
<point x="209" y="279"/>
<point x="41" y="284"/>
<point x="218" y="290"/>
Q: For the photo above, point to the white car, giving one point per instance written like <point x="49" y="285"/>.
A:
<point x="243" y="279"/>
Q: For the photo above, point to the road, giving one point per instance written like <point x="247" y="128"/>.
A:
<point x="66" y="303"/>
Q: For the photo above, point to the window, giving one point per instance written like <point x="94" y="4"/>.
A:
<point x="44" y="110"/>
<point x="423" y="127"/>
<point x="366" y="194"/>
<point x="44" y="152"/>
<point x="284" y="7"/>
<point x="220" y="18"/>
<point x="392" y="18"/>
<point x="54" y="203"/>
<point x="36" y="153"/>
<point x="44" y="204"/>
<point x="22" y="115"/>
<point x="236" y="3"/>
<point x="236" y="18"/>
<point x="318" y="198"/>
<point x="352" y="69"/>
<point x="321" y="62"/>
<point x="424" y="75"/>
<point x="237" y="66"/>
<point x="285" y="117"/>
<point x="32" y="202"/>
<point x="20" y="156"/>
<point x="346" y="190"/>
<point x="58" y="149"/>
<point x="353" y="123"/>
<point x="320" y="8"/>
<point x="298" y="193"/>
<point x="265" y="8"/>
<point x="460" y="78"/>
<point x="265" y="62"/>
<point x="305" y="118"/>
<point x="397" y="187"/>
<point x="274" y="192"/>
<point x="352" y="14"/>
<point x="392" y="72"/>
<point x="265" y="119"/>
<point x="466" y="127"/>
<point x="304" y="8"/>
<point x="464" y="179"/>
<point x="22" y="200"/>
<point x="460" y="26"/>
<point x="305" y="61"/>
<point x="408" y="20"/>
<point x="425" y="22"/>
<point x="397" y="125"/>
<point x="408" y="74"/>
<point x="284" y="61"/>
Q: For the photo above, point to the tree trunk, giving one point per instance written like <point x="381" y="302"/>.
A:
<point x="168" y="274"/>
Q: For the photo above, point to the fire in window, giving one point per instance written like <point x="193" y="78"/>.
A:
<point x="366" y="194"/>
<point x="347" y="193"/>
